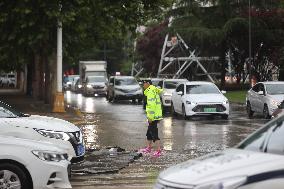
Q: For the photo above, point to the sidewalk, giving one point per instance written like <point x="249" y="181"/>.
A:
<point x="28" y="105"/>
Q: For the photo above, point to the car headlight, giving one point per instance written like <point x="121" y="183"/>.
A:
<point x="89" y="86"/>
<point x="167" y="94"/>
<point x="50" y="156"/>
<point x="189" y="102"/>
<point x="274" y="103"/>
<point x="225" y="102"/>
<point x="79" y="86"/>
<point x="231" y="183"/>
<point x="53" y="134"/>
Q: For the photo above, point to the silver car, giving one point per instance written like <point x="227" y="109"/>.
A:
<point x="264" y="97"/>
<point x="124" y="88"/>
<point x="95" y="85"/>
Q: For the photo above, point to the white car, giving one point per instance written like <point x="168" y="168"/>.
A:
<point x="256" y="163"/>
<point x="29" y="164"/>
<point x="42" y="128"/>
<point x="168" y="86"/>
<point x="265" y="97"/>
<point x="199" y="98"/>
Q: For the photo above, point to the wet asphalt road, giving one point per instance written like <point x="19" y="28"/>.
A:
<point x="124" y="124"/>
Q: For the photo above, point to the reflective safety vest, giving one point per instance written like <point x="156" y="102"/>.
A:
<point x="153" y="107"/>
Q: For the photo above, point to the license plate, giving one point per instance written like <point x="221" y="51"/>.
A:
<point x="209" y="109"/>
<point x="80" y="149"/>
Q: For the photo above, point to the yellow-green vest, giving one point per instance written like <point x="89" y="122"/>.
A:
<point x="153" y="107"/>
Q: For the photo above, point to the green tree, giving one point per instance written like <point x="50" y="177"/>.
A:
<point x="28" y="30"/>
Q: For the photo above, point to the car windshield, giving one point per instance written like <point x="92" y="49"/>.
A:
<point x="125" y="81"/>
<point x="97" y="79"/>
<point x="268" y="139"/>
<point x="201" y="89"/>
<point x="170" y="84"/>
<point x="8" y="112"/>
<point x="274" y="89"/>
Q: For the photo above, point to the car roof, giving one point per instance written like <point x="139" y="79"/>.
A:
<point x="272" y="82"/>
<point x="175" y="80"/>
<point x="94" y="76"/>
<point x="123" y="77"/>
<point x="199" y="83"/>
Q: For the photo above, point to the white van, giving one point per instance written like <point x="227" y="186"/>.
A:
<point x="42" y="128"/>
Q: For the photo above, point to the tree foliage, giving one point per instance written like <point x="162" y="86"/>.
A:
<point x="28" y="27"/>
<point x="215" y="27"/>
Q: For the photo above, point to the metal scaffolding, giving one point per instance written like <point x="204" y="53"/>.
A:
<point x="171" y="57"/>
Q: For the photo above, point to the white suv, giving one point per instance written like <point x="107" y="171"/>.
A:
<point x="29" y="164"/>
<point x="265" y="97"/>
<point x="41" y="128"/>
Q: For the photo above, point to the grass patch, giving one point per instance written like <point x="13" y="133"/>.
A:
<point x="236" y="96"/>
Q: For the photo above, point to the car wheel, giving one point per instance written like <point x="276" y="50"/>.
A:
<point x="249" y="111"/>
<point x="12" y="176"/>
<point x="266" y="112"/>
<point x="184" y="113"/>
<point x="173" y="112"/>
<point x="225" y="116"/>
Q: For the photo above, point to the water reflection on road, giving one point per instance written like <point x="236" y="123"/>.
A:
<point x="124" y="124"/>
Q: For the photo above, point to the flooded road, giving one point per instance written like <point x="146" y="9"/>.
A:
<point x="124" y="124"/>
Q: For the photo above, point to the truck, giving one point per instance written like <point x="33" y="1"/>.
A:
<point x="92" y="68"/>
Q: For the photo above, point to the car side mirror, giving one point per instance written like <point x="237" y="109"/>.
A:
<point x="260" y="92"/>
<point x="224" y="92"/>
<point x="180" y="93"/>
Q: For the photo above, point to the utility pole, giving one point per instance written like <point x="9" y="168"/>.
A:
<point x="58" y="104"/>
<point x="250" y="58"/>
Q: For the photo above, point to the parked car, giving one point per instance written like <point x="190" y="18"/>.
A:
<point x="168" y="86"/>
<point x="67" y="81"/>
<point x="256" y="163"/>
<point x="79" y="86"/>
<point x="124" y="88"/>
<point x="95" y="85"/>
<point x="264" y="97"/>
<point x="73" y="83"/>
<point x="199" y="98"/>
<point x="8" y="80"/>
<point x="31" y="164"/>
<point x="42" y="128"/>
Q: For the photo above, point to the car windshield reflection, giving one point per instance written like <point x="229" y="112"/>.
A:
<point x="125" y="82"/>
<point x="274" y="89"/>
<point x="268" y="139"/>
<point x="201" y="89"/>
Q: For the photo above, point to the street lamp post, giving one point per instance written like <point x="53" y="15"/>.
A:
<point x="250" y="58"/>
<point x="58" y="104"/>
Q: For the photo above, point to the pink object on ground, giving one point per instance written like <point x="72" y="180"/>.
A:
<point x="157" y="153"/>
<point x="145" y="150"/>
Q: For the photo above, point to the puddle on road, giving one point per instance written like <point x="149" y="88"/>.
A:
<point x="90" y="134"/>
